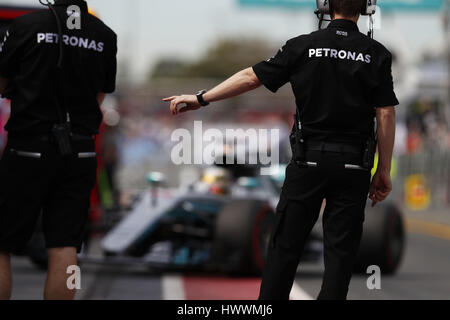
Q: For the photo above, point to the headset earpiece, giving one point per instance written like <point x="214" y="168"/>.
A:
<point x="369" y="7"/>
<point x="324" y="6"/>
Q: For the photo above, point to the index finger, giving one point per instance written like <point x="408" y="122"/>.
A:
<point x="169" y="98"/>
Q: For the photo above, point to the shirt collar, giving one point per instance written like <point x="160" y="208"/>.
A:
<point x="81" y="3"/>
<point x="344" y="24"/>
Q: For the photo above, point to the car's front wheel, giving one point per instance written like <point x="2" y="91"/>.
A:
<point x="242" y="235"/>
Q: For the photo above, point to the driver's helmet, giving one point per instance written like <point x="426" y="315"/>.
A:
<point x="218" y="179"/>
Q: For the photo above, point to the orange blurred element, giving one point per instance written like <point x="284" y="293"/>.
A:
<point x="417" y="192"/>
<point x="93" y="12"/>
<point x="414" y="142"/>
<point x="217" y="189"/>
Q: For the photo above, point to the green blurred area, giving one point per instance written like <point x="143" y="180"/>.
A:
<point x="218" y="61"/>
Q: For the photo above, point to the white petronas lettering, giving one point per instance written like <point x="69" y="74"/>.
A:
<point x="72" y="41"/>
<point x="339" y="54"/>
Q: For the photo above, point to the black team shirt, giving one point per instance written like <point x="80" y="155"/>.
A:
<point x="28" y="58"/>
<point x="339" y="76"/>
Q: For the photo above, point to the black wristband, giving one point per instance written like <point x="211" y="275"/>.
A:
<point x="200" y="99"/>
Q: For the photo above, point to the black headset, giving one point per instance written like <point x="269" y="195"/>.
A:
<point x="324" y="7"/>
<point x="368" y="7"/>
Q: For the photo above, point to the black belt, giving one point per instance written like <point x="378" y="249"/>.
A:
<point x="342" y="147"/>
<point x="338" y="147"/>
<point x="82" y="137"/>
<point x="347" y="166"/>
<point x="50" y="138"/>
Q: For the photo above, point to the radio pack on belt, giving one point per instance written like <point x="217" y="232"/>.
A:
<point x="62" y="133"/>
<point x="297" y="140"/>
<point x="299" y="147"/>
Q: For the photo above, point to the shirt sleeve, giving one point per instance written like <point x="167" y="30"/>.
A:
<point x="10" y="47"/>
<point x="384" y="93"/>
<point x="275" y="72"/>
<point x="111" y="71"/>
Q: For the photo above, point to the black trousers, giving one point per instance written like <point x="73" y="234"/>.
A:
<point x="304" y="190"/>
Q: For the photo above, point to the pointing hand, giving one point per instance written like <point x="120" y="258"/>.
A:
<point x="190" y="103"/>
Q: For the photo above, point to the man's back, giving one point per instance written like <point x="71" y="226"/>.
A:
<point x="353" y="69"/>
<point x="29" y="58"/>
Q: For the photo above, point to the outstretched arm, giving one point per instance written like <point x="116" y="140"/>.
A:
<point x="243" y="81"/>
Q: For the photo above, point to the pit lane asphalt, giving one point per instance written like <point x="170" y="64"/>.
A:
<point x="424" y="274"/>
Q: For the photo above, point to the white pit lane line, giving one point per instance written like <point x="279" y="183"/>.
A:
<point x="297" y="293"/>
<point x="173" y="288"/>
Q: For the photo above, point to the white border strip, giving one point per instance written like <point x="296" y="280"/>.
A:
<point x="297" y="293"/>
<point x="173" y="288"/>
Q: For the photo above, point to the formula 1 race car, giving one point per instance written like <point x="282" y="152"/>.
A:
<point x="223" y="223"/>
<point x="214" y="224"/>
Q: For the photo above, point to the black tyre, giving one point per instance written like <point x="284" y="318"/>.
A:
<point x="383" y="240"/>
<point x="242" y="235"/>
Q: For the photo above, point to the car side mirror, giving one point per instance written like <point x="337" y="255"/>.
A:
<point x="156" y="180"/>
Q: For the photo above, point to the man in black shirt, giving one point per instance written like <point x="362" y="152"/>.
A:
<point x="341" y="80"/>
<point x="49" y="164"/>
